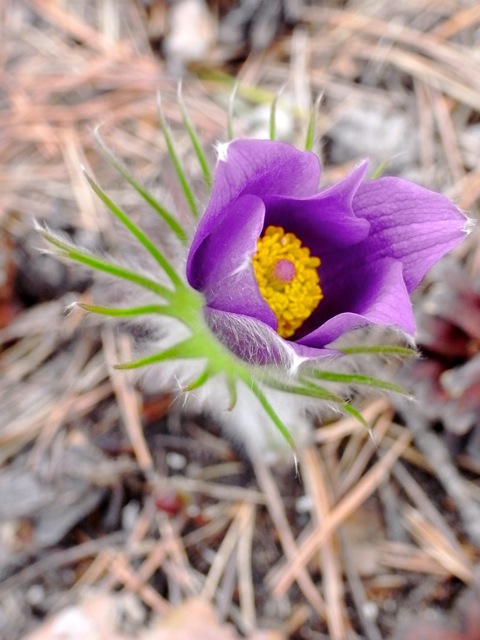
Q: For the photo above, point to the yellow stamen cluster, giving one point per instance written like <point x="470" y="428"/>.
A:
<point x="292" y="293"/>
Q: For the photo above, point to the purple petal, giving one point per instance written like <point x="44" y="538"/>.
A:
<point x="325" y="217"/>
<point x="256" y="167"/>
<point x="410" y="223"/>
<point x="222" y="265"/>
<point x="375" y="295"/>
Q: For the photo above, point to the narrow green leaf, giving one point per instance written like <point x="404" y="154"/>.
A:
<point x="231" y="103"/>
<point x="267" y="407"/>
<point x="182" y="178"/>
<point x="125" y="313"/>
<point x="380" y="170"/>
<point x="351" y="378"/>
<point x="70" y="251"/>
<point x="273" y="114"/>
<point x="356" y="414"/>
<point x="202" y="379"/>
<point x="182" y="350"/>
<point x="136" y="232"/>
<point x="312" y="123"/>
<point x="273" y="122"/>
<point x="381" y="350"/>
<point x="166" y="216"/>
<point x="232" y="388"/>
<point x="305" y="388"/>
<point x="207" y="176"/>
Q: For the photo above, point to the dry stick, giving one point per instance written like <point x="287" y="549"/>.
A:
<point x="462" y="19"/>
<point x="122" y="572"/>
<point x="216" y="490"/>
<point x="159" y="553"/>
<point x="357" y="590"/>
<point x="119" y="568"/>
<point x="61" y="559"/>
<point x="225" y="591"/>
<point x="407" y="557"/>
<point x="467" y="190"/>
<point x="244" y="571"/>
<point x="222" y="556"/>
<point x="88" y="35"/>
<point x="365" y="453"/>
<point x="153" y="561"/>
<point x="65" y="403"/>
<point x="430" y="46"/>
<point x="435" y="451"/>
<point x="331" y="571"/>
<point x="421" y="500"/>
<point x="437" y="547"/>
<point x="425" y="129"/>
<point x="210" y="530"/>
<point x="277" y="513"/>
<point x="87" y="203"/>
<point x="394" y="528"/>
<point x="431" y="73"/>
<point x="190" y="581"/>
<point x="448" y="135"/>
<point x="143" y="524"/>
<point x="348" y="425"/>
<point x="127" y="398"/>
<point x="19" y="432"/>
<point x="281" y="578"/>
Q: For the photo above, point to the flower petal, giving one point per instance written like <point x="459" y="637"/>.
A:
<point x="377" y="295"/>
<point x="410" y="223"/>
<point x="222" y="265"/>
<point x="257" y="167"/>
<point x="325" y="217"/>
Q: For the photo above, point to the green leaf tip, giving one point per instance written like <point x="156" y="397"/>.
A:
<point x="202" y="160"/>
<point x="312" y="123"/>
<point x="182" y="178"/>
<point x="69" y="250"/>
<point x="406" y="352"/>
<point x="231" y="105"/>
<point x="140" y="236"/>
<point x="357" y="379"/>
<point x="164" y="214"/>
<point x="126" y="312"/>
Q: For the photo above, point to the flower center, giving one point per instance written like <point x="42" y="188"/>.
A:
<point x="287" y="277"/>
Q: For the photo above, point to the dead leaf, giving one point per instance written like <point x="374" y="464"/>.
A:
<point x="93" y="619"/>
<point x="194" y="619"/>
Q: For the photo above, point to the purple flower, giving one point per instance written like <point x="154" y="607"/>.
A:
<point x="277" y="257"/>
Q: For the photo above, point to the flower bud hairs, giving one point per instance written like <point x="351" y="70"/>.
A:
<point x="269" y="325"/>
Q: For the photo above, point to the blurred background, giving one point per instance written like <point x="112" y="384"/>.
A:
<point x="119" y="516"/>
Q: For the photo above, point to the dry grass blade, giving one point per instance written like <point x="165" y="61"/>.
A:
<point x="407" y="557"/>
<point x="423" y="503"/>
<point x="127" y="398"/>
<point x="360" y="457"/>
<point x="314" y="477"/>
<point x="189" y="581"/>
<point x="438" y="547"/>
<point x="224" y="553"/>
<point x="281" y="578"/>
<point x="348" y="425"/>
<point x="462" y="19"/>
<point x="246" y="588"/>
<point x="120" y="569"/>
<point x="277" y="513"/>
